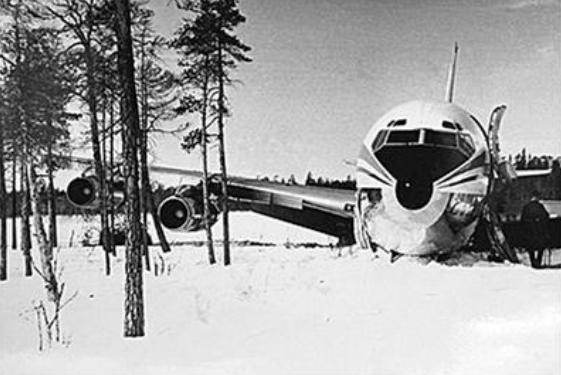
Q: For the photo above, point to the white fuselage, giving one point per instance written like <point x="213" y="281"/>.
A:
<point x="422" y="173"/>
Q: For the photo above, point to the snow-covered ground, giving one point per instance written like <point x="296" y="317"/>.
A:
<point x="289" y="310"/>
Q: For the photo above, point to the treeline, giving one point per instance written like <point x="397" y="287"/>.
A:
<point x="525" y="161"/>
<point x="348" y="184"/>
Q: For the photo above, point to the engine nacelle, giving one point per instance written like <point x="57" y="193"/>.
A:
<point x="183" y="214"/>
<point x="84" y="192"/>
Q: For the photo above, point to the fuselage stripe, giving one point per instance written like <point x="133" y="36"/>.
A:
<point x="367" y="156"/>
<point x="364" y="170"/>
<point x="479" y="161"/>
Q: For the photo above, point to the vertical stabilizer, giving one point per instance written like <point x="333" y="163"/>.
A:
<point x="452" y="75"/>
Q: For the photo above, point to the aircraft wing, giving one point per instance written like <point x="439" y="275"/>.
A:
<point x="326" y="210"/>
<point x="189" y="176"/>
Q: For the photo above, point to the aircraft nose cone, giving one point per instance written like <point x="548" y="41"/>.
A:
<point x="413" y="194"/>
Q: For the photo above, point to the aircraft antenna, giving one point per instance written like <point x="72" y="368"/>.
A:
<point x="452" y="75"/>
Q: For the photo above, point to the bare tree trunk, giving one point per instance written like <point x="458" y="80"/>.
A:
<point x="150" y="203"/>
<point x="25" y="230"/>
<point x="51" y="196"/>
<point x="94" y="128"/>
<point x="147" y="201"/>
<point x="112" y="176"/>
<point x="3" y="226"/>
<point x="145" y="185"/>
<point x="222" y="159"/>
<point x="157" y="224"/>
<point x="25" y="207"/>
<point x="28" y="212"/>
<point x="45" y="248"/>
<point x="14" y="199"/>
<point x="105" y="240"/>
<point x="206" y="208"/>
<point x="134" y="300"/>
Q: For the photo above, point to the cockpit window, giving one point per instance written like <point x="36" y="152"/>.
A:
<point x="404" y="136"/>
<point x="440" y="139"/>
<point x="379" y="141"/>
<point x="390" y="124"/>
<point x="460" y="141"/>
<point x="448" y="125"/>
<point x="458" y="126"/>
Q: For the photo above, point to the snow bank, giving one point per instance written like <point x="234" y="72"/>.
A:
<point x="279" y="310"/>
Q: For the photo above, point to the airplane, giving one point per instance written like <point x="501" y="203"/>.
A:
<point x="424" y="173"/>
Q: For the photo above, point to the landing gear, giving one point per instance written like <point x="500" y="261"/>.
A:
<point x="489" y="235"/>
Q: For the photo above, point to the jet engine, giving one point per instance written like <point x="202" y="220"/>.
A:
<point x="84" y="192"/>
<point x="184" y="213"/>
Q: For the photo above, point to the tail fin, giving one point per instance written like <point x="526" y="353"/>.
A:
<point x="452" y="75"/>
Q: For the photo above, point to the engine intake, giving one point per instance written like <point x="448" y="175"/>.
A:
<point x="183" y="214"/>
<point x="83" y="192"/>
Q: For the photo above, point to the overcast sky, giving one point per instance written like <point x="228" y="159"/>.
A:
<point x="325" y="70"/>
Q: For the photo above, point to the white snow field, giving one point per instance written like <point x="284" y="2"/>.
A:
<point x="281" y="310"/>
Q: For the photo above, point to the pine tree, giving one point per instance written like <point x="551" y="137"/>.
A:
<point x="193" y="42"/>
<point x="208" y="37"/>
<point x="37" y="91"/>
<point x="13" y="44"/>
<point x="230" y="50"/>
<point x="134" y="299"/>
<point x="156" y="95"/>
<point x="81" y="21"/>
